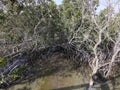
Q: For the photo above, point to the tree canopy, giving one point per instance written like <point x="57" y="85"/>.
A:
<point x="74" y="27"/>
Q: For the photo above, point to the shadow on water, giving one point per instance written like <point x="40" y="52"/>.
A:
<point x="108" y="86"/>
<point x="105" y="87"/>
<point x="85" y="86"/>
<point x="24" y="88"/>
<point x="113" y="81"/>
<point x="47" y="69"/>
<point x="41" y="69"/>
<point x="44" y="68"/>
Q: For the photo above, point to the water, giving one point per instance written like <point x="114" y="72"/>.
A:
<point x="56" y="77"/>
<point x="68" y="81"/>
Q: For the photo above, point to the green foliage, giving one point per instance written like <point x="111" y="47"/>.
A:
<point x="2" y="18"/>
<point x="17" y="71"/>
<point x="42" y="23"/>
<point x="2" y="61"/>
<point x="46" y="23"/>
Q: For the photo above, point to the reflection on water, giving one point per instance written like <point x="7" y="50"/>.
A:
<point x="53" y="78"/>
<point x="71" y="81"/>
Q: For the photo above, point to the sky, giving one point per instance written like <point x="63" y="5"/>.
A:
<point x="114" y="3"/>
<point x="58" y="2"/>
<point x="103" y="4"/>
